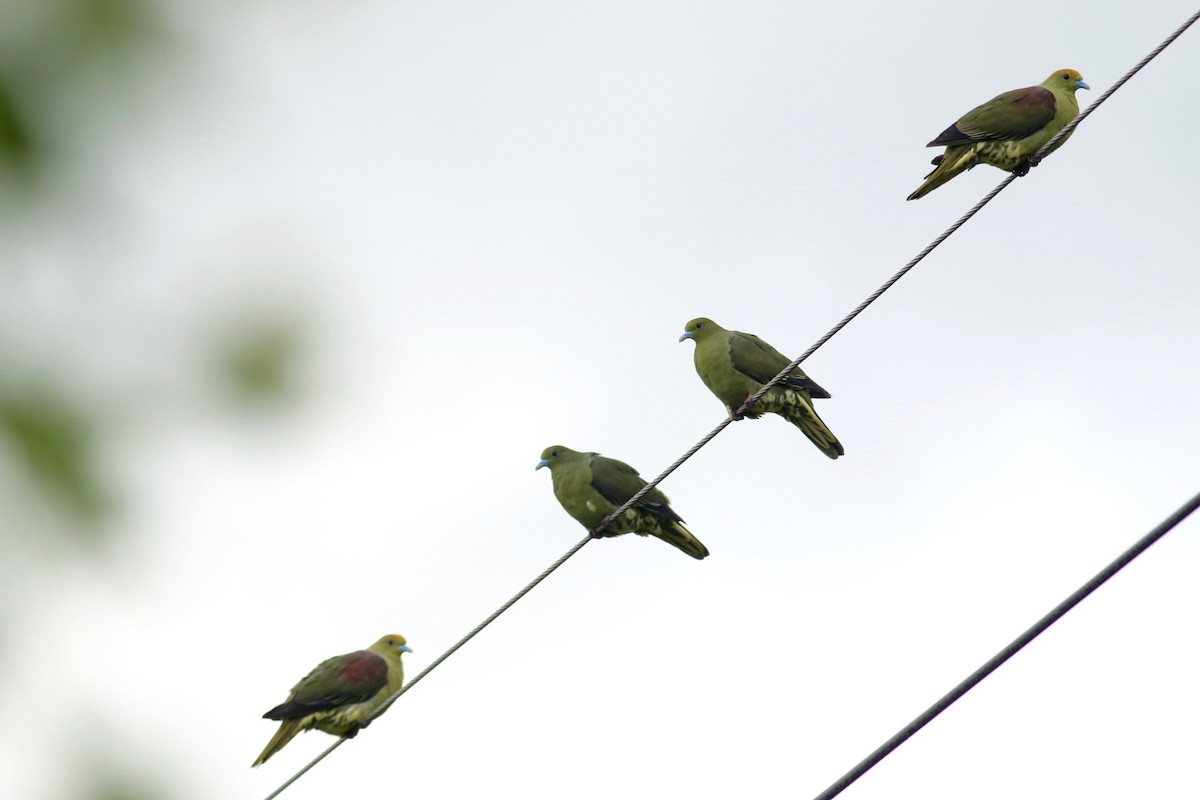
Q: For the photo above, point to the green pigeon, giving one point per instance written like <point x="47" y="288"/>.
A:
<point x="1006" y="130"/>
<point x="591" y="487"/>
<point x="340" y="693"/>
<point x="735" y="365"/>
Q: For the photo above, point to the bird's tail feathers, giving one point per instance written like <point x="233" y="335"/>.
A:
<point x="287" y="729"/>
<point x="674" y="534"/>
<point x="797" y="409"/>
<point x="948" y="165"/>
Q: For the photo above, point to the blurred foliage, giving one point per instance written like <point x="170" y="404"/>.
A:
<point x="16" y="143"/>
<point x="53" y="441"/>
<point x="119" y="789"/>
<point x="104" y="776"/>
<point x="70" y="70"/>
<point x="53" y="53"/>
<point x="112" y="27"/>
<point x="47" y="49"/>
<point x="259" y="364"/>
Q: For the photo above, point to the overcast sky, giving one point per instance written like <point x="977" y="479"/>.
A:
<point x="496" y="219"/>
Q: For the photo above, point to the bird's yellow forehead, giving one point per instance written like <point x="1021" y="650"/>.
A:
<point x="395" y="638"/>
<point x="1072" y="74"/>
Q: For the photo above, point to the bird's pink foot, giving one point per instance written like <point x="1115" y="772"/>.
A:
<point x="600" y="530"/>
<point x="738" y="414"/>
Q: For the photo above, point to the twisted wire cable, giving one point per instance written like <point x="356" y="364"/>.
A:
<point x="1036" y="159"/>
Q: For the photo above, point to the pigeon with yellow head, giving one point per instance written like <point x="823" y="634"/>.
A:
<point x="1007" y="130"/>
<point x="340" y="693"/>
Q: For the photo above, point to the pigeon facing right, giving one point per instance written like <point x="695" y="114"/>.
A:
<point x="340" y="693"/>
<point x="1006" y="130"/>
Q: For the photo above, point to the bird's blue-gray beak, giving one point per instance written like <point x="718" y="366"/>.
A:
<point x="686" y="335"/>
<point x="405" y="648"/>
<point x="545" y="462"/>
<point x="1081" y="85"/>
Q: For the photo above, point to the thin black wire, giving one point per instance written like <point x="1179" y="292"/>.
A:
<point x="1036" y="158"/>
<point x="1112" y="569"/>
<point x="387" y="703"/>
<point x="828" y="335"/>
<point x="1008" y="652"/>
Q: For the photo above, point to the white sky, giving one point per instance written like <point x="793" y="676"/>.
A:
<point x="499" y="216"/>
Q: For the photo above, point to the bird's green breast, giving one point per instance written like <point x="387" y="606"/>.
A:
<point x="573" y="488"/>
<point x="715" y="367"/>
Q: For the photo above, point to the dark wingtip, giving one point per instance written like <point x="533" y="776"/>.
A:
<point x="951" y="135"/>
<point x="287" y="711"/>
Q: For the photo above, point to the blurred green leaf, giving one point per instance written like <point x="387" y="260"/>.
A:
<point x="114" y="26"/>
<point x="51" y="52"/>
<point x="52" y="440"/>
<point x="121" y="779"/>
<point x="260" y="364"/>
<point x="16" y="142"/>
<point x="117" y="790"/>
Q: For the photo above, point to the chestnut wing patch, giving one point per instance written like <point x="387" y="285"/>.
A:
<point x="341" y="681"/>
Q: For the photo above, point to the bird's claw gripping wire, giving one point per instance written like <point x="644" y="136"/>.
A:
<point x="737" y="414"/>
<point x="599" y="532"/>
